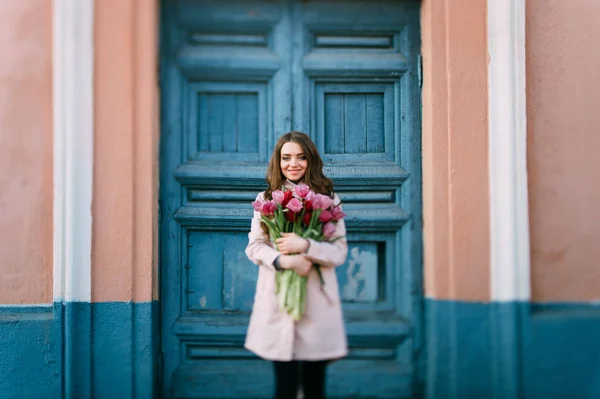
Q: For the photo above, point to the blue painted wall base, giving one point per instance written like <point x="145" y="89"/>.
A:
<point x="474" y="350"/>
<point x="79" y="350"/>
<point x="512" y="350"/>
<point x="30" y="353"/>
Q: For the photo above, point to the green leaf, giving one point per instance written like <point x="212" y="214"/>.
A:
<point x="318" y="269"/>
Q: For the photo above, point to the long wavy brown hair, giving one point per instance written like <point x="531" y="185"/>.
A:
<point x="313" y="177"/>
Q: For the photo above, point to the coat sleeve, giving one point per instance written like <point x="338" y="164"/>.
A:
<point x="330" y="254"/>
<point x="259" y="249"/>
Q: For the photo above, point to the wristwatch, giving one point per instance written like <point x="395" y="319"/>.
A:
<point x="277" y="265"/>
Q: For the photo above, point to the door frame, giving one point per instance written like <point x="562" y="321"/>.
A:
<point x="416" y="293"/>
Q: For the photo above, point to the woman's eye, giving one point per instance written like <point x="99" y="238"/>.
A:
<point x="302" y="158"/>
<point x="286" y="158"/>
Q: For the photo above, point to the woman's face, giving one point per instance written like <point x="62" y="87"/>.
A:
<point x="293" y="161"/>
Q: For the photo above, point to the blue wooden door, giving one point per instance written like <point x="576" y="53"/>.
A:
<point x="234" y="76"/>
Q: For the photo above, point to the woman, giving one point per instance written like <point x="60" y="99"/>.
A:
<point x="300" y="350"/>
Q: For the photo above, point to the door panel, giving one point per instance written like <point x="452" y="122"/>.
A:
<point x="236" y="75"/>
<point x="219" y="278"/>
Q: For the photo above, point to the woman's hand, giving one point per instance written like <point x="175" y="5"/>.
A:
<point x="291" y="243"/>
<point x="297" y="263"/>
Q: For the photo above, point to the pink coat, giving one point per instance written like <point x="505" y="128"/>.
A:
<point x="320" y="333"/>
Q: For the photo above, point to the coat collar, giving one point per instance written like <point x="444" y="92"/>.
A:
<point x="290" y="184"/>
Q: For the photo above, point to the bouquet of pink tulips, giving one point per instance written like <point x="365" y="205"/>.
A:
<point x="307" y="214"/>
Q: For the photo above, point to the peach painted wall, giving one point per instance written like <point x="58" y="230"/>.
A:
<point x="26" y="152"/>
<point x="455" y="160"/>
<point x="563" y="100"/>
<point x="124" y="237"/>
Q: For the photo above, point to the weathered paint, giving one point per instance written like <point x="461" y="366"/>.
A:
<point x="30" y="352"/>
<point x="125" y="206"/>
<point x="562" y="107"/>
<point x="25" y="152"/>
<point x="119" y="343"/>
<point x="455" y="163"/>
<point x="359" y="281"/>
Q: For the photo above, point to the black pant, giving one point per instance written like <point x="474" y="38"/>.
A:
<point x="309" y="374"/>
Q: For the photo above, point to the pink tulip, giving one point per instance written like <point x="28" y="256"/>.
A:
<point x="257" y="205"/>
<point x="337" y="213"/>
<point x="327" y="202"/>
<point x="322" y="202"/>
<point x="317" y="202"/>
<point x="302" y="190"/>
<point x="278" y="196"/>
<point x="328" y="229"/>
<point x="325" y="217"/>
<point x="268" y="208"/>
<point x="310" y="196"/>
<point x="294" y="205"/>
